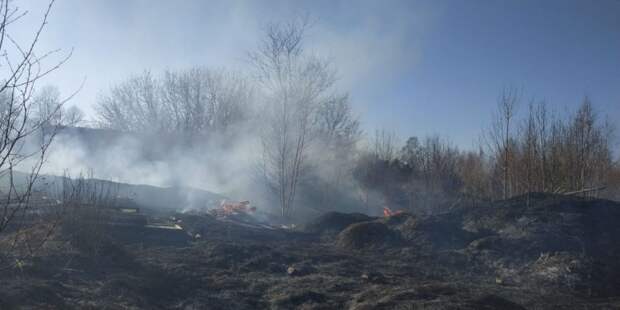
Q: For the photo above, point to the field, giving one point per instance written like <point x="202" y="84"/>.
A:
<point x="558" y="252"/>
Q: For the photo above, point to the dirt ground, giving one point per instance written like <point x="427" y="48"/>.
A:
<point x="535" y="252"/>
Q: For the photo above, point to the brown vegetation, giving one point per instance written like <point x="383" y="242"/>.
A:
<point x="542" y="153"/>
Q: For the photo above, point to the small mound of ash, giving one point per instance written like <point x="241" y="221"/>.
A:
<point x="367" y="235"/>
<point x="334" y="222"/>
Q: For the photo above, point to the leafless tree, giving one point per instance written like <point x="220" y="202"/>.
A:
<point x="49" y="110"/>
<point x="21" y="68"/>
<point x="473" y="172"/>
<point x="384" y="145"/>
<point x="203" y="101"/>
<point x="334" y="151"/>
<point x="529" y="152"/>
<point x="193" y="103"/>
<point x="132" y="105"/>
<point x="336" y="123"/>
<point x="500" y="136"/>
<point x="552" y="154"/>
<point x="72" y="116"/>
<point x="438" y="171"/>
<point x="293" y="84"/>
<point x="542" y="125"/>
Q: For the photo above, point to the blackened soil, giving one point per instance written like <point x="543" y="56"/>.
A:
<point x="535" y="252"/>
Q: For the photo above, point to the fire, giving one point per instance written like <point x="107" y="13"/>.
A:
<point x="233" y="208"/>
<point x="387" y="212"/>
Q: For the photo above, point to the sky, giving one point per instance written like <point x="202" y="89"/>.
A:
<point x="412" y="67"/>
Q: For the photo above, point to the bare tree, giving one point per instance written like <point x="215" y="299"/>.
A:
<point x="293" y="84"/>
<point x="336" y="124"/>
<point x="553" y="154"/>
<point x="193" y="103"/>
<point x="500" y="136"/>
<point x="473" y="172"/>
<point x="132" y="105"/>
<point x="530" y="151"/>
<point x="542" y="126"/>
<point x="438" y="171"/>
<point x="49" y="111"/>
<point x="384" y="145"/>
<point x="203" y="101"/>
<point x="20" y="70"/>
<point x="333" y="154"/>
<point x="72" y="116"/>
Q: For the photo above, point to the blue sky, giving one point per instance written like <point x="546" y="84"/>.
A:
<point x="415" y="67"/>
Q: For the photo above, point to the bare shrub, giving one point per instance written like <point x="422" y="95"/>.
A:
<point x="87" y="203"/>
<point x="24" y="138"/>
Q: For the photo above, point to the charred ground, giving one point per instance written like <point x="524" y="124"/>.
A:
<point x="535" y="251"/>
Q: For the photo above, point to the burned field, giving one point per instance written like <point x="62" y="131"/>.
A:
<point x="559" y="252"/>
<point x="118" y="161"/>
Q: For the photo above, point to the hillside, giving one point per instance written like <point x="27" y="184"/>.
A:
<point x="150" y="198"/>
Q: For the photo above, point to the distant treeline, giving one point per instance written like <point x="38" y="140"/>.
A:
<point x="537" y="153"/>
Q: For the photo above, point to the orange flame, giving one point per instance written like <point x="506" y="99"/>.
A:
<point x="232" y="208"/>
<point x="387" y="212"/>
